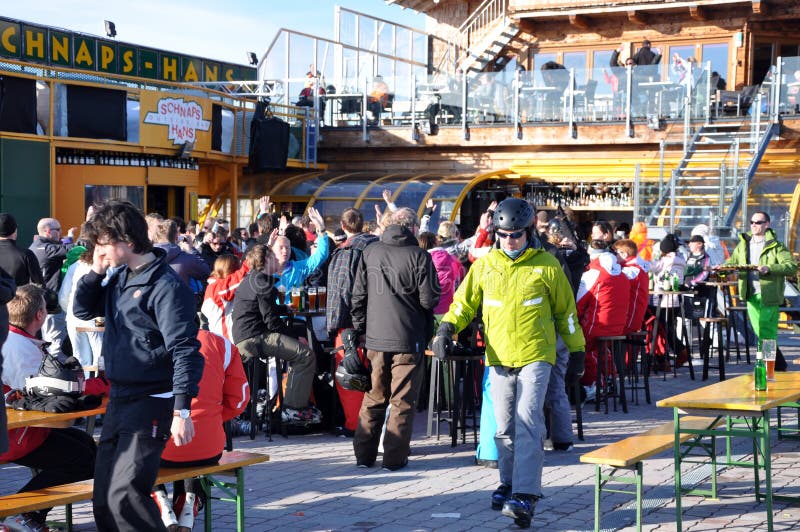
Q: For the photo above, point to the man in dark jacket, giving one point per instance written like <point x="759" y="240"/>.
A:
<point x="21" y="264"/>
<point x="152" y="360"/>
<point x="646" y="56"/>
<point x="51" y="254"/>
<point x="395" y="291"/>
<point x="341" y="272"/>
<point x="215" y="244"/>
<point x="188" y="265"/>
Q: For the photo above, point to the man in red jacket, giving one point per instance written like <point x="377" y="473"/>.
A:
<point x="58" y="456"/>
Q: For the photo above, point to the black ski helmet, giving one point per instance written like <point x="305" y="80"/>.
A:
<point x="513" y="213"/>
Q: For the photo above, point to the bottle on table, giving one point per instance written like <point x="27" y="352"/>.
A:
<point x="760" y="373"/>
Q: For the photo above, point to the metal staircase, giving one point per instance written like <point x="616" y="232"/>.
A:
<point x="485" y="33"/>
<point x="709" y="183"/>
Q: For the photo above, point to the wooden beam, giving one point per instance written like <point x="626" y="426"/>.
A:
<point x="760" y="7"/>
<point x="637" y="17"/>
<point x="579" y="21"/>
<point x="697" y="13"/>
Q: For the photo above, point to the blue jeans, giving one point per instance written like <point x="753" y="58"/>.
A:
<point x="518" y="395"/>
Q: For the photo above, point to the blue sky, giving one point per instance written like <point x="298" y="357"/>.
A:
<point x="216" y="29"/>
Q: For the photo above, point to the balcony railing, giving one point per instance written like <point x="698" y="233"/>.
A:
<point x="562" y="97"/>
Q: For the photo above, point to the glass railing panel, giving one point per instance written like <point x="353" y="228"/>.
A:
<point x="790" y="85"/>
<point x="542" y="94"/>
<point x="439" y="99"/>
<point x="649" y="91"/>
<point x="700" y="96"/>
<point x="608" y="102"/>
<point x="490" y="98"/>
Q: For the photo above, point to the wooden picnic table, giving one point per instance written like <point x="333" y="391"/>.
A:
<point x="735" y="398"/>
<point x="33" y="418"/>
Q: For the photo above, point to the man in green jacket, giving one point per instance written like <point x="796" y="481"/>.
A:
<point x="526" y="298"/>
<point x="763" y="288"/>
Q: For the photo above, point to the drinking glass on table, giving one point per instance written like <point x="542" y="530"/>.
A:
<point x="312" y="299"/>
<point x="769" y="348"/>
<point x="322" y="297"/>
<point x="296" y="298"/>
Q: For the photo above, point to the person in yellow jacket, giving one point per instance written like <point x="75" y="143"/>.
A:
<point x="526" y="299"/>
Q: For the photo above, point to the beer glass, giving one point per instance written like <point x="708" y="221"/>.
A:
<point x="770" y="349"/>
<point x="312" y="299"/>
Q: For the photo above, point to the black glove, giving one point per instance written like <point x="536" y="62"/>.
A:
<point x="575" y="367"/>
<point x="351" y="362"/>
<point x="88" y="402"/>
<point x="442" y="344"/>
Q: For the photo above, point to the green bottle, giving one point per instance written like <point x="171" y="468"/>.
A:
<point x="760" y="373"/>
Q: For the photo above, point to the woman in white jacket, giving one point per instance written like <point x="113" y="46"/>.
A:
<point x="86" y="346"/>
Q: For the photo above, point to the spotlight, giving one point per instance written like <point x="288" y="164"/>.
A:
<point x="111" y="29"/>
<point x="252" y="58"/>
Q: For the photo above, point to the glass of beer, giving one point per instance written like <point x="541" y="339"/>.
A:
<point x="770" y="349"/>
<point x="312" y="299"/>
<point x="281" y="295"/>
<point x="322" y="297"/>
<point x="296" y="298"/>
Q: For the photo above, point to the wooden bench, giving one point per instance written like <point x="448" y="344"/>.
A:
<point x="232" y="462"/>
<point x="629" y="453"/>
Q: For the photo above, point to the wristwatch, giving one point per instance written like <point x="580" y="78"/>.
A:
<point x="183" y="413"/>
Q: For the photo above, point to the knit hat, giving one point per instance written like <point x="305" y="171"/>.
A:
<point x="7" y="224"/>
<point x="669" y="244"/>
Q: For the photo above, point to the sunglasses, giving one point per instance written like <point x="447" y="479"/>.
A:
<point x="515" y="234"/>
<point x="758" y="222"/>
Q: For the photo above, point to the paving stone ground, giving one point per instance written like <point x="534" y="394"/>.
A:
<point x="311" y="483"/>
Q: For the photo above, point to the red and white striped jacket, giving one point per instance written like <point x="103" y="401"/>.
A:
<point x="603" y="298"/>
<point x="640" y="294"/>
<point x="218" y="302"/>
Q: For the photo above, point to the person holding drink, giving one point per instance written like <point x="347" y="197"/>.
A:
<point x="762" y="287"/>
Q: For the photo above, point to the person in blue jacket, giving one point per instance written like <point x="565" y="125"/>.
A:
<point x="152" y="360"/>
<point x="292" y="273"/>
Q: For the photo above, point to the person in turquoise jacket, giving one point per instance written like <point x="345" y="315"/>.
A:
<point x="763" y="288"/>
<point x="526" y="298"/>
<point x="294" y="272"/>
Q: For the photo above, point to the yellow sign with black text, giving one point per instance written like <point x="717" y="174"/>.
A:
<point x="50" y="46"/>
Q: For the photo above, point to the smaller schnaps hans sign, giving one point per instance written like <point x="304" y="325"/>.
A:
<point x="175" y="120"/>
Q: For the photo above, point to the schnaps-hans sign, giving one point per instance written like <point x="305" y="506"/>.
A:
<point x="182" y="118"/>
<point x="168" y="121"/>
<point x="50" y="46"/>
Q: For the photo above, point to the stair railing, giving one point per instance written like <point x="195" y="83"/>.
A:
<point x="484" y="16"/>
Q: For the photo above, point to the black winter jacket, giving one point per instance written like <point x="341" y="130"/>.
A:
<point x="395" y="291"/>
<point x="255" y="308"/>
<point x="21" y="264"/>
<point x="51" y="255"/>
<point x="150" y="343"/>
<point x="7" y="290"/>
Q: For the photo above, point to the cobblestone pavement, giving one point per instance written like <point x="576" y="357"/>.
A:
<point x="311" y="483"/>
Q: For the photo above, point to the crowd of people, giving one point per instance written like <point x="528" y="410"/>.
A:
<point x="184" y="308"/>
